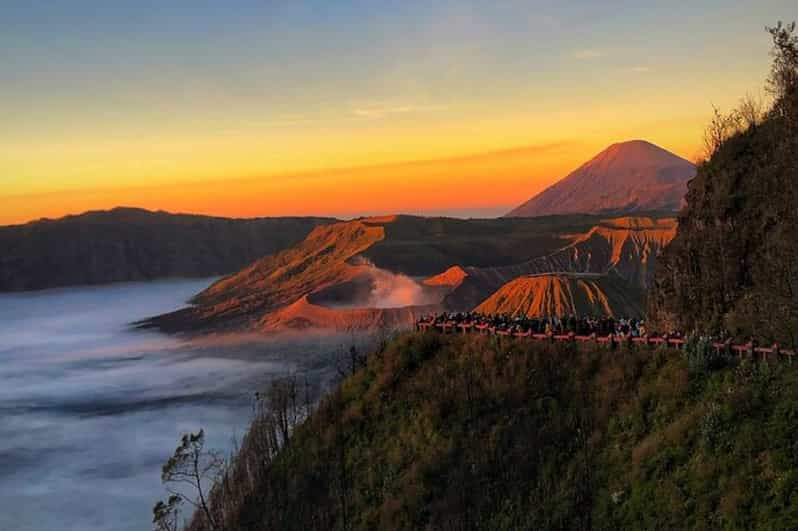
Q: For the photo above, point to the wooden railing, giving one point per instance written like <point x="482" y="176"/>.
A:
<point x="741" y="350"/>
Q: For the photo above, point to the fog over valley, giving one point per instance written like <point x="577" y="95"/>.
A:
<point x="90" y="408"/>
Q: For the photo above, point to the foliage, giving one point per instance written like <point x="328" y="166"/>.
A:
<point x="702" y="357"/>
<point x="471" y="432"/>
<point x="732" y="263"/>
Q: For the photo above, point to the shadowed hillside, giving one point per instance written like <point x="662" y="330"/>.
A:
<point x="127" y="244"/>
<point x="733" y="262"/>
<point x="420" y="246"/>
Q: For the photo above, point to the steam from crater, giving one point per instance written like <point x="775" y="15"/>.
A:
<point x="393" y="290"/>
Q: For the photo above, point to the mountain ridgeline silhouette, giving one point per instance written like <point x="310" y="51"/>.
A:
<point x="133" y="244"/>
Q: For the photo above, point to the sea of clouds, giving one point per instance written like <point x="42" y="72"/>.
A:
<point x="90" y="408"/>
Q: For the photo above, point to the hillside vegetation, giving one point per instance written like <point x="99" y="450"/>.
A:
<point x="733" y="261"/>
<point x="467" y="432"/>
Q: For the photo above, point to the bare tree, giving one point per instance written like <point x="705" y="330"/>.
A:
<point x="783" y="78"/>
<point x="349" y="361"/>
<point x="720" y="128"/>
<point x="282" y="399"/>
<point x="197" y="468"/>
<point x="751" y="111"/>
<point x="166" y="515"/>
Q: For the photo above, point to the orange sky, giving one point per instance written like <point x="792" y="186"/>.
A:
<point x="480" y="185"/>
<point x="260" y="111"/>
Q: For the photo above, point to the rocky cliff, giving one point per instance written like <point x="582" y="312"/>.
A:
<point x="732" y="264"/>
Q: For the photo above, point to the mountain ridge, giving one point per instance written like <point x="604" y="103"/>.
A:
<point x="132" y="244"/>
<point x="332" y="269"/>
<point x="627" y="246"/>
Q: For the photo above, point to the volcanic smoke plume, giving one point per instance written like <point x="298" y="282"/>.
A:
<point x="381" y="288"/>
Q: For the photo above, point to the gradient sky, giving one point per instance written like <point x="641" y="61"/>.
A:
<point x="248" y="108"/>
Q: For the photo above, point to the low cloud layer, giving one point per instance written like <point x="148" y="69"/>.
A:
<point x="89" y="409"/>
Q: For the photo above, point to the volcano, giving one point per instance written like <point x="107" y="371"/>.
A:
<point x="565" y="294"/>
<point x="627" y="247"/>
<point x="368" y="273"/>
<point x="627" y="177"/>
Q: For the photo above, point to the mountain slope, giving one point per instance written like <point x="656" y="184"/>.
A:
<point x="304" y="314"/>
<point x="242" y="300"/>
<point x="626" y="246"/>
<point x="365" y="263"/>
<point x="565" y="294"/>
<point x="464" y="432"/>
<point x="127" y="244"/>
<point x="634" y="176"/>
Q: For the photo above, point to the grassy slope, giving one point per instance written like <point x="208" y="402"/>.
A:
<point x="468" y="433"/>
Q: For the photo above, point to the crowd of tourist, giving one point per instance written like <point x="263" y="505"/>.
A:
<point x="552" y="325"/>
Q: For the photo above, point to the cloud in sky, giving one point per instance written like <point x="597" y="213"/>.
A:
<point x="588" y="54"/>
<point x="637" y="70"/>
<point x="383" y="110"/>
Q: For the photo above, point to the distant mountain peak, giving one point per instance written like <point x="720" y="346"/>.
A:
<point x="627" y="177"/>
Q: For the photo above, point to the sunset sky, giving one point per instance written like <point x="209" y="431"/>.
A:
<point x="247" y="108"/>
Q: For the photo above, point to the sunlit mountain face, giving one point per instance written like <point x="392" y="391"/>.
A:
<point x="627" y="177"/>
